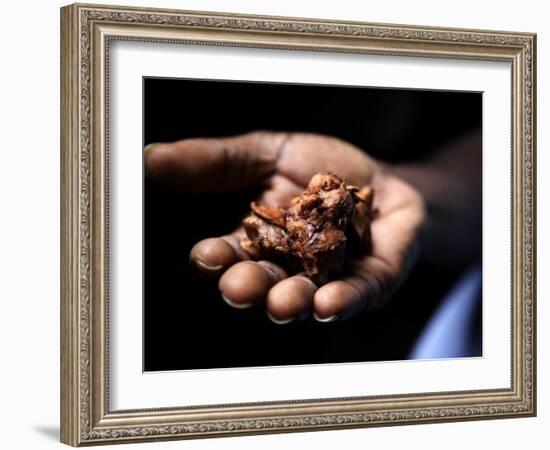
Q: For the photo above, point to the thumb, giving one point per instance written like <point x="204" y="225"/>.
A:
<point x="221" y="164"/>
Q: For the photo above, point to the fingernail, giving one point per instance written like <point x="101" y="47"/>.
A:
<point x="236" y="305"/>
<point x="324" y="319"/>
<point x="148" y="147"/>
<point x="205" y="266"/>
<point x="277" y="321"/>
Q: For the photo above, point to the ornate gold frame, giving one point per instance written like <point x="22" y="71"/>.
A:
<point x="86" y="31"/>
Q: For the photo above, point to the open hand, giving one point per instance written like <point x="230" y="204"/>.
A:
<point x="282" y="164"/>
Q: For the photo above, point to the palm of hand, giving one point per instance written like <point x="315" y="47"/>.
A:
<point x="400" y="211"/>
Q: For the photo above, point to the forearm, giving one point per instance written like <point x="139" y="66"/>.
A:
<point x="450" y="184"/>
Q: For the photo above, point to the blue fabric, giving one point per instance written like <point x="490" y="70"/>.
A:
<point x="449" y="333"/>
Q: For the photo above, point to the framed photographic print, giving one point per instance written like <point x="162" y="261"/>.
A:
<point x="276" y="224"/>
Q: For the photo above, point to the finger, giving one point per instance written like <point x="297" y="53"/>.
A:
<point x="290" y="298"/>
<point x="210" y="165"/>
<point x="340" y="299"/>
<point x="247" y="283"/>
<point x="366" y="286"/>
<point x="213" y="256"/>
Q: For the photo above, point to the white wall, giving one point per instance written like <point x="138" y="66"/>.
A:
<point x="29" y="224"/>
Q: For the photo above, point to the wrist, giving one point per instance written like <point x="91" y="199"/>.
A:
<point x="424" y="180"/>
<point x="452" y="235"/>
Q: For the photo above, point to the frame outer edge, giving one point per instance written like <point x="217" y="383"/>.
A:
<point x="69" y="308"/>
<point x="80" y="409"/>
<point x="533" y="135"/>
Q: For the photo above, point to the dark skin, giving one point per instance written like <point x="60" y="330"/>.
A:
<point x="427" y="210"/>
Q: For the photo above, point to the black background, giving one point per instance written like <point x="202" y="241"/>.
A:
<point x="186" y="323"/>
